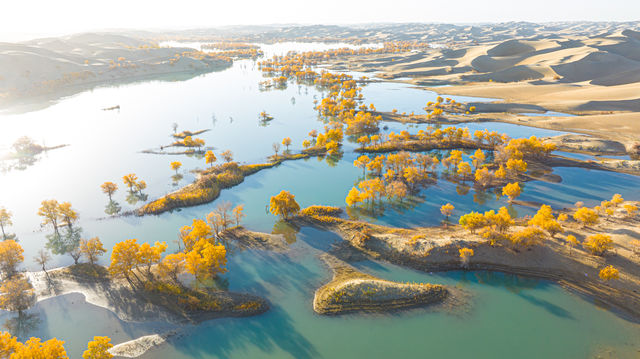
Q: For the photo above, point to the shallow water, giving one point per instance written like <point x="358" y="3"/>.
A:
<point x="510" y="316"/>
<point x="548" y="113"/>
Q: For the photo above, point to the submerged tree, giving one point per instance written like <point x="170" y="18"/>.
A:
<point x="238" y="213"/>
<point x="176" y="166"/>
<point x="286" y="142"/>
<point x="109" y="188"/>
<point x="5" y="220"/>
<point x="210" y="158"/>
<point x="206" y="260"/>
<point x="447" y="211"/>
<point x="227" y="156"/>
<point x="511" y="190"/>
<point x="49" y="211"/>
<point x="130" y="181"/>
<point x="284" y="205"/>
<point x="67" y="214"/>
<point x="66" y="243"/>
<point x="11" y="254"/>
<point x="16" y="295"/>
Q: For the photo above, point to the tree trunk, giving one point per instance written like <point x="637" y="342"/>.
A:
<point x="4" y="235"/>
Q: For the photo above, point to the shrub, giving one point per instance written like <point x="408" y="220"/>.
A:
<point x="598" y="244"/>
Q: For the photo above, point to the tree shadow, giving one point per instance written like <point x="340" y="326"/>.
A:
<point x="269" y="332"/>
<point x="548" y="306"/>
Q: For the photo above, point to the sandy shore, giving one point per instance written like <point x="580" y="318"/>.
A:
<point x="436" y="249"/>
<point x="353" y="291"/>
<point x="246" y="239"/>
<point x="139" y="346"/>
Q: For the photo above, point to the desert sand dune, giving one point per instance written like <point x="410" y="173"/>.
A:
<point x="44" y="67"/>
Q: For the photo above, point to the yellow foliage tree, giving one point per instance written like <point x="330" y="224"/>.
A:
<point x="598" y="244"/>
<point x="130" y="181"/>
<point x="483" y="177"/>
<point x="617" y="199"/>
<point x="109" y="188"/>
<point x="227" y="156"/>
<point x="49" y="211"/>
<point x="572" y="241"/>
<point x="362" y="162"/>
<point x="5" y="220"/>
<point x="124" y="258"/>
<point x="544" y="219"/>
<point x="528" y="236"/>
<point x="586" y="216"/>
<point x="98" y="348"/>
<point x="171" y="266"/>
<point x="353" y="197"/>
<point x="92" y="249"/>
<point x="210" y="158"/>
<point x="150" y="255"/>
<point x="286" y="142"/>
<point x="511" y="190"/>
<point x="447" y="210"/>
<point x="478" y="158"/>
<point x="206" y="260"/>
<point x="283" y="204"/>
<point x="464" y="170"/>
<point x="34" y="348"/>
<point x="68" y="214"/>
<point x="176" y="166"/>
<point x="608" y="273"/>
<point x="238" y="213"/>
<point x="16" y="294"/>
<point x="11" y="254"/>
<point x="472" y="221"/>
<point x="199" y="229"/>
<point x="631" y="209"/>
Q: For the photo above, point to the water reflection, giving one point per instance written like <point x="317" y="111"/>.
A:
<point x="22" y="325"/>
<point x="112" y="208"/>
<point x="287" y="230"/>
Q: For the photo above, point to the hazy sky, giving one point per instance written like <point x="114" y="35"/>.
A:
<point x="22" y="18"/>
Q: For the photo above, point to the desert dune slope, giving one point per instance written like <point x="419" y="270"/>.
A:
<point x="44" y="66"/>
<point x="590" y="71"/>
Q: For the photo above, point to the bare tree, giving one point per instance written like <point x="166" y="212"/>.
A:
<point x="42" y="258"/>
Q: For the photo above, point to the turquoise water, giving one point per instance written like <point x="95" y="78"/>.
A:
<point x="509" y="316"/>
